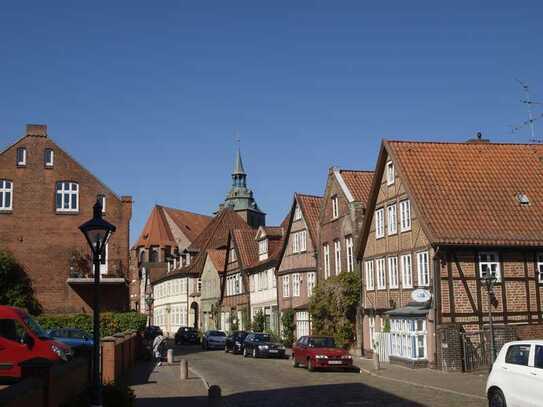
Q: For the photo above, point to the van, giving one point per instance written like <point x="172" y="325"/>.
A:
<point x="21" y="339"/>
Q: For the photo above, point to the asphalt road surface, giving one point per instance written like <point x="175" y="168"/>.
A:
<point x="272" y="382"/>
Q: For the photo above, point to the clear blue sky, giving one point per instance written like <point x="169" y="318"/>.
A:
<point x="147" y="95"/>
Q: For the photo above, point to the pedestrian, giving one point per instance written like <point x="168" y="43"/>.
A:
<point x="158" y="348"/>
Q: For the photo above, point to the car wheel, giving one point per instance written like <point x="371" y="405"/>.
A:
<point x="245" y="353"/>
<point x="496" y="399"/>
<point x="310" y="366"/>
<point x="225" y="349"/>
<point x="254" y="353"/>
<point x="294" y="363"/>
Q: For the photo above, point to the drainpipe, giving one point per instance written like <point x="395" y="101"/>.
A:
<point x="436" y="296"/>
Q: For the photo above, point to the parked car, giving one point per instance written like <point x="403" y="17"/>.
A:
<point x="151" y="332"/>
<point x="72" y="337"/>
<point x="516" y="377"/>
<point x="234" y="342"/>
<point x="213" y="340"/>
<point x="22" y="338"/>
<point x="320" y="352"/>
<point x="259" y="344"/>
<point x="186" y="334"/>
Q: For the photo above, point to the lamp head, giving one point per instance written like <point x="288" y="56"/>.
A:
<point x="97" y="231"/>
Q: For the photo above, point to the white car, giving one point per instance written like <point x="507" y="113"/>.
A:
<point x="516" y="377"/>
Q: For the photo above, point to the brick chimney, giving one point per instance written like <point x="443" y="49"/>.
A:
<point x="36" y="130"/>
<point x="478" y="139"/>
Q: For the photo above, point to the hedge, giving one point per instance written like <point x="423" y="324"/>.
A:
<point x="110" y="322"/>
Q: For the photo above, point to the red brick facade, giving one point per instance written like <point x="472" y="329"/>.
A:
<point x="46" y="242"/>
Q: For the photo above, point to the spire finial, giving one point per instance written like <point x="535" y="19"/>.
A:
<point x="238" y="163"/>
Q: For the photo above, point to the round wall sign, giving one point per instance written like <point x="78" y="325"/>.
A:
<point x="421" y="295"/>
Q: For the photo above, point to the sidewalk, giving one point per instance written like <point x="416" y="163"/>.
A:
<point x="468" y="384"/>
<point x="162" y="386"/>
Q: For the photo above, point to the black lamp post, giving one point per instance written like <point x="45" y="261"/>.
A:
<point x="97" y="232"/>
<point x="149" y="301"/>
<point x="489" y="281"/>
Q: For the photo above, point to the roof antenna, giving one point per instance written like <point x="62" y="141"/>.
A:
<point x="531" y="119"/>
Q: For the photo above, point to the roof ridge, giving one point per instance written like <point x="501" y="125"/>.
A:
<point x="308" y="195"/>
<point x="183" y="210"/>
<point x="361" y="171"/>
<point x="490" y="143"/>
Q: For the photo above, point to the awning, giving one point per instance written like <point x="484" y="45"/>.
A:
<point x="413" y="310"/>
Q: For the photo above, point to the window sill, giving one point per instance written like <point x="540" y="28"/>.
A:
<point x="392" y="233"/>
<point x="6" y="211"/>
<point x="406" y="230"/>
<point x="67" y="212"/>
<point x="379" y="237"/>
<point x="21" y="165"/>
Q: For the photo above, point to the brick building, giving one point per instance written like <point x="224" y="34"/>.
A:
<point x="44" y="196"/>
<point x="297" y="270"/>
<point x="444" y="216"/>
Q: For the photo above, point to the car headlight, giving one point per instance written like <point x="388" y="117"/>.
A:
<point x="281" y="347"/>
<point x="346" y="357"/>
<point x="321" y="357"/>
<point x="59" y="352"/>
<point x="263" y="347"/>
<point x="238" y="343"/>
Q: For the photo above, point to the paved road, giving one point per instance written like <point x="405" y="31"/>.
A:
<point x="270" y="382"/>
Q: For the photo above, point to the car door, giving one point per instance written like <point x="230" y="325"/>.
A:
<point x="12" y="348"/>
<point x="248" y="343"/>
<point x="535" y="377"/>
<point x="517" y="374"/>
<point x="300" y="353"/>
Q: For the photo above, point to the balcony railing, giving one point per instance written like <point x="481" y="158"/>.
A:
<point x="116" y="274"/>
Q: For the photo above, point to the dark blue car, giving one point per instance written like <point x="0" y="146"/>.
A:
<point x="72" y="337"/>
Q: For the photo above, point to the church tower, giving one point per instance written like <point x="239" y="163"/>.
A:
<point x="240" y="198"/>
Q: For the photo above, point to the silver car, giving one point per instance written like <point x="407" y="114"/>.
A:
<point x="213" y="340"/>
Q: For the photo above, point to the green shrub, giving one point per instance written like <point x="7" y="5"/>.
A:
<point x="259" y="322"/>
<point x="289" y="327"/>
<point x="110" y="322"/>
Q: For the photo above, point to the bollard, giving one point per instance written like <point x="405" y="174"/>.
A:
<point x="170" y="356"/>
<point x="376" y="362"/>
<point x="184" y="369"/>
<point x="214" y="398"/>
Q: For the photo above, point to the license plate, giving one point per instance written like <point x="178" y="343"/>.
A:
<point x="335" y="362"/>
<point x="273" y="351"/>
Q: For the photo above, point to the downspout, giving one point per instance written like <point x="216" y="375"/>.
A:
<point x="436" y="297"/>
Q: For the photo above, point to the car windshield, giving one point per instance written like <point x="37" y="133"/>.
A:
<point x="216" y="333"/>
<point x="35" y="327"/>
<point x="262" y="338"/>
<point x="77" y="334"/>
<point x="322" y="343"/>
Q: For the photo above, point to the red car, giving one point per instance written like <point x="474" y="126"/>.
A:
<point x="320" y="352"/>
<point x="22" y="338"/>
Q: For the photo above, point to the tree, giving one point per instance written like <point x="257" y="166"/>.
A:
<point x="259" y="321"/>
<point x="16" y="287"/>
<point x="333" y="307"/>
<point x="289" y="327"/>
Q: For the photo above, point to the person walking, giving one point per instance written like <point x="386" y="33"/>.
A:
<point x="158" y="348"/>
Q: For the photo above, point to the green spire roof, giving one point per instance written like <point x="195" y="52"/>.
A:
<point x="238" y="164"/>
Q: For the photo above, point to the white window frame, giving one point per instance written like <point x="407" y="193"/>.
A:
<point x="263" y="249"/>
<point x="370" y="277"/>
<point x="295" y="243"/>
<point x="286" y="286"/>
<point x="4" y="191"/>
<point x="71" y="192"/>
<point x="371" y="330"/>
<point x="350" y="253"/>
<point x="49" y="161"/>
<point x="405" y="215"/>
<point x="326" y="251"/>
<point x="405" y="334"/>
<point x="380" y="271"/>
<point x="303" y="240"/>
<point x="392" y="222"/>
<point x="296" y="284"/>
<point x="24" y="153"/>
<point x="380" y="223"/>
<point x="406" y="268"/>
<point x="392" y="272"/>
<point x="540" y="267"/>
<point x="390" y="173"/>
<point x="494" y="265"/>
<point x="423" y="269"/>
<point x="335" y="207"/>
<point x="232" y="255"/>
<point x="297" y="213"/>
<point x="337" y="256"/>
<point x="311" y="282"/>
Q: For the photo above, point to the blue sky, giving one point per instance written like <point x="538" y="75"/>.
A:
<point x="148" y="95"/>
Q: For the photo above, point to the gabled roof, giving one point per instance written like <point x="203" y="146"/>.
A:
<point x="218" y="258"/>
<point x="358" y="183"/>
<point x="246" y="245"/>
<point x="466" y="193"/>
<point x="156" y="231"/>
<point x="191" y="224"/>
<point x="310" y="206"/>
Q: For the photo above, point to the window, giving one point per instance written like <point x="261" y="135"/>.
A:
<point x="12" y="330"/>
<point x="263" y="249"/>
<point x="518" y="355"/>
<point x="303" y="240"/>
<point x="408" y="338"/>
<point x="369" y="275"/>
<point x="538" y="357"/>
<point x="405" y="215"/>
<point x="350" y="255"/>
<point x="297" y="213"/>
<point x="286" y="286"/>
<point x="539" y="265"/>
<point x="21" y="156"/>
<point x="296" y="285"/>
<point x="337" y="256"/>
<point x="379" y="223"/>
<point x="335" y="207"/>
<point x="393" y="272"/>
<point x="303" y="323"/>
<point x="407" y="275"/>
<point x="423" y="271"/>
<point x="299" y="242"/>
<point x="234" y="285"/>
<point x="326" y="260"/>
<point x="232" y="255"/>
<point x="104" y="260"/>
<point x="311" y="282"/>
<point x="489" y="263"/>
<point x="392" y="225"/>
<point x="381" y="279"/>
<point x="49" y="157"/>
<point x="199" y="285"/>
<point x="390" y="173"/>
<point x="6" y="193"/>
<point x="67" y="199"/>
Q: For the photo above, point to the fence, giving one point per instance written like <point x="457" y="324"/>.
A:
<point x="382" y="345"/>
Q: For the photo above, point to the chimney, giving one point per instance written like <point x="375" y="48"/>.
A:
<point x="478" y="139"/>
<point x="36" y="130"/>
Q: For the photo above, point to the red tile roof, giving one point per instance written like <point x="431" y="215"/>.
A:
<point x="466" y="193"/>
<point x="246" y="245"/>
<point x="359" y="183"/>
<point x="156" y="231"/>
<point x="218" y="258"/>
<point x="310" y="206"/>
<point x="191" y="224"/>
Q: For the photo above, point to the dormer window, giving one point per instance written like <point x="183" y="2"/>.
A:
<point x="297" y="213"/>
<point x="21" y="156"/>
<point x="335" y="207"/>
<point x="49" y="158"/>
<point x="390" y="173"/>
<point x="263" y="249"/>
<point x="232" y="255"/>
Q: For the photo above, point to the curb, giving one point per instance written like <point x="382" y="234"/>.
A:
<point x="425" y="386"/>
<point x="200" y="376"/>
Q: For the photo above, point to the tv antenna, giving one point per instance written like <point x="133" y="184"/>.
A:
<point x="531" y="118"/>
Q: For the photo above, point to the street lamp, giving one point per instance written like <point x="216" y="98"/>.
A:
<point x="489" y="280"/>
<point x="97" y="232"/>
<point x="149" y="300"/>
